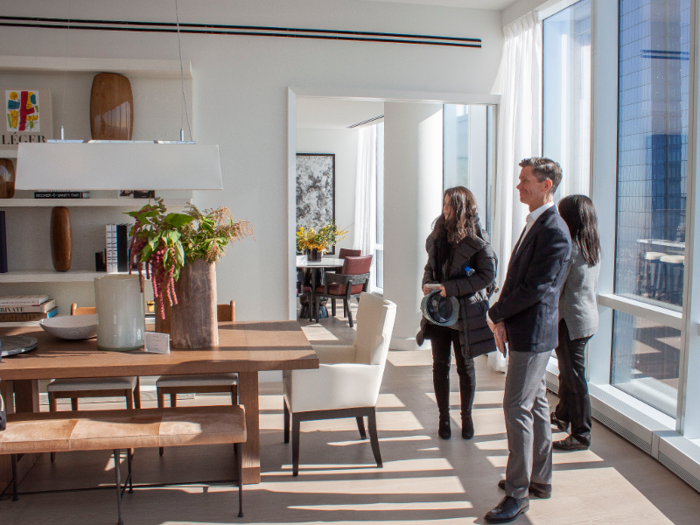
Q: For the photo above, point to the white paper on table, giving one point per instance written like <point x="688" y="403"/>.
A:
<point x="157" y="343"/>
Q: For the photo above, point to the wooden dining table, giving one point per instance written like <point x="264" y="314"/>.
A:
<point x="244" y="347"/>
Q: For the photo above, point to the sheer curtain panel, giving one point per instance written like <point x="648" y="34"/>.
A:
<point x="366" y="193"/>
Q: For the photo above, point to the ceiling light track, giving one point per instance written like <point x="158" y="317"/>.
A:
<point x="239" y="30"/>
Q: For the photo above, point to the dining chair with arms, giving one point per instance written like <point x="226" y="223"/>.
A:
<point x="348" y="379"/>
<point x="74" y="389"/>
<point x="350" y="282"/>
<point x="200" y="384"/>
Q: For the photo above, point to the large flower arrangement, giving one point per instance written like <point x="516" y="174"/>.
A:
<point x="321" y="240"/>
<point x="163" y="243"/>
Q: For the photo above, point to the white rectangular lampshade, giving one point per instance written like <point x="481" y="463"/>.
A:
<point x="118" y="166"/>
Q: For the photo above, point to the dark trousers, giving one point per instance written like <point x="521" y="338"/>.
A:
<point x="442" y="340"/>
<point x="574" y="402"/>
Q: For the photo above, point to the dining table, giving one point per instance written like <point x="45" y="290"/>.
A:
<point x="316" y="269"/>
<point x="244" y="347"/>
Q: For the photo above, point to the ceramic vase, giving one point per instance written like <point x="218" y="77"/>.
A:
<point x="120" y="317"/>
<point x="61" y="239"/>
<point x="193" y="320"/>
<point x="313" y="255"/>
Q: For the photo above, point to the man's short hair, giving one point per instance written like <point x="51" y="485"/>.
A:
<point x="544" y="168"/>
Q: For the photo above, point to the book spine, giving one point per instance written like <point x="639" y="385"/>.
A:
<point x="3" y="244"/>
<point x="61" y="194"/>
<point x="111" y="232"/>
<point x="22" y="302"/>
<point x="28" y="309"/>
<point x="13" y="318"/>
<point x="122" y="248"/>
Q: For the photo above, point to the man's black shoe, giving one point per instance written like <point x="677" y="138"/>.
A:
<point x="562" y="426"/>
<point x="569" y="444"/>
<point x="507" y="510"/>
<point x="538" y="490"/>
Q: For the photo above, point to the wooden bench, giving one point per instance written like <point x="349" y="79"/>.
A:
<point x="124" y="429"/>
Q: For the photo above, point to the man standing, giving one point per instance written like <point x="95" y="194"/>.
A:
<point x="526" y="316"/>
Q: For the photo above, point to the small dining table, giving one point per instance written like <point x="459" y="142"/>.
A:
<point x="244" y="347"/>
<point x="316" y="268"/>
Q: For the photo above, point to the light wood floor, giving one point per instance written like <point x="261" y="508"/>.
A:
<point x="424" y="479"/>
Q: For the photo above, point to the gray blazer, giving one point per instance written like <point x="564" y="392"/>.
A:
<point x="577" y="302"/>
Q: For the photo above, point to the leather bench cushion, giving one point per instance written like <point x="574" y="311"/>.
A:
<point x="116" y="429"/>
<point x="82" y="384"/>
<point x="200" y="380"/>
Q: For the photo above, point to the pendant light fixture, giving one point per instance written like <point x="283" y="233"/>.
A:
<point x="78" y="165"/>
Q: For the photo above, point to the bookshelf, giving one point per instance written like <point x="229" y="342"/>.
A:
<point x="52" y="276"/>
<point x="131" y="204"/>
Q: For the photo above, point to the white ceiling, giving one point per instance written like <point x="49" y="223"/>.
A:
<point x="492" y="5"/>
<point x="335" y="113"/>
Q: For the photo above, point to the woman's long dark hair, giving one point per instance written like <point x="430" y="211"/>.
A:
<point x="579" y="214"/>
<point x="461" y="224"/>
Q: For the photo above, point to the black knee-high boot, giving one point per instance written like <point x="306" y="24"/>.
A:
<point x="441" y="343"/>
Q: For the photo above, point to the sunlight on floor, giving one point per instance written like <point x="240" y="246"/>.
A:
<point x="316" y="332"/>
<point x="421" y="485"/>
<point x="416" y="505"/>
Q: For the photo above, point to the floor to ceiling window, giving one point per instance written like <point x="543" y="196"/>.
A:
<point x="469" y="152"/>
<point x="379" y="246"/>
<point x="566" y="98"/>
<point x="654" y="82"/>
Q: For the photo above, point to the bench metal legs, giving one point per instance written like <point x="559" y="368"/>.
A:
<point x="239" y="467"/>
<point x="14" y="478"/>
<point x="118" y="478"/>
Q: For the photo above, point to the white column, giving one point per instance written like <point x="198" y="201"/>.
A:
<point x="412" y="201"/>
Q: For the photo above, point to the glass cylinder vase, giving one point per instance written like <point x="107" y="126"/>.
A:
<point x="120" y="317"/>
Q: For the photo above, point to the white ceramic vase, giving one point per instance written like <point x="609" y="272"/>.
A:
<point x="120" y="325"/>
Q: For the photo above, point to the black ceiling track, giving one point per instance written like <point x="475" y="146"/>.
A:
<point x="220" y="29"/>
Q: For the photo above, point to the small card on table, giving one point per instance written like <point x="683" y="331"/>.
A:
<point x="157" y="343"/>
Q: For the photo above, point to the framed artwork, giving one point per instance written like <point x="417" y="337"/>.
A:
<point x="27" y="117"/>
<point x="315" y="190"/>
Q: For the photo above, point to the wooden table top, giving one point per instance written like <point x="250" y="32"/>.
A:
<point x="243" y="347"/>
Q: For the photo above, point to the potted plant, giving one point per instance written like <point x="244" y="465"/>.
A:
<point x="316" y="243"/>
<point x="179" y="252"/>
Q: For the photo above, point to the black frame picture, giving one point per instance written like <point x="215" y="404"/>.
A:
<point x="315" y="190"/>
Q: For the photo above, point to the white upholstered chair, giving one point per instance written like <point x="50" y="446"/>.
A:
<point x="348" y="380"/>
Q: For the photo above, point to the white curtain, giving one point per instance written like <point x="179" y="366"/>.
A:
<point x="519" y="136"/>
<point x="366" y="193"/>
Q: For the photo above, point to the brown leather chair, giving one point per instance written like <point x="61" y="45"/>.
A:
<point x="346" y="252"/>
<point x="200" y="384"/>
<point x="350" y="282"/>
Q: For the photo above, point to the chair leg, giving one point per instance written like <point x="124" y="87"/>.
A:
<point x="374" y="440"/>
<point x="118" y="479"/>
<point x="129" y="396"/>
<point x="52" y="408"/>
<point x="333" y="306"/>
<point x="74" y="403"/>
<point x="161" y="404"/>
<point x="239" y="468"/>
<point x="129" y="457"/>
<point x="137" y="394"/>
<point x="173" y="399"/>
<point x="14" y="477"/>
<point x="346" y="305"/>
<point x="234" y="394"/>
<point x="286" y="421"/>
<point x="315" y="314"/>
<point x="361" y="426"/>
<point x="296" y="427"/>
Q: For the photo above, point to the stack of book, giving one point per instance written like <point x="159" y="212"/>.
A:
<point x="117" y="237"/>
<point x="18" y="308"/>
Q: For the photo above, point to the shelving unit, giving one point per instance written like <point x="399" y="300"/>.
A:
<point x="133" y="204"/>
<point x="52" y="276"/>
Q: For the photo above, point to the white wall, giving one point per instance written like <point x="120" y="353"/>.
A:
<point x="343" y="143"/>
<point x="241" y="94"/>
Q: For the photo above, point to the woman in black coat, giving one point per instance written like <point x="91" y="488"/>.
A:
<point x="462" y="262"/>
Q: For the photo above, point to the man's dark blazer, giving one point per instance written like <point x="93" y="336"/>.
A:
<point x="529" y="300"/>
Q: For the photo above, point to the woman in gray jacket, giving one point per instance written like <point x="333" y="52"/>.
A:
<point x="578" y="322"/>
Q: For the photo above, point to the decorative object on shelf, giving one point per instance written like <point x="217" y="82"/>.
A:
<point x="120" y="314"/>
<point x="170" y="246"/>
<point x="73" y="327"/>
<point x="3" y="244"/>
<point x="61" y="239"/>
<point x="27" y="117"/>
<point x="7" y="179"/>
<point x="17" y="344"/>
<point x="137" y="194"/>
<point x="316" y="243"/>
<point x="61" y="194"/>
<point x="111" y="107"/>
<point x="315" y="190"/>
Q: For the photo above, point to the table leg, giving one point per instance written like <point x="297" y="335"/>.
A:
<point x="248" y="396"/>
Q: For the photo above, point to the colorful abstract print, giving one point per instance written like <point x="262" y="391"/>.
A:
<point x="22" y="110"/>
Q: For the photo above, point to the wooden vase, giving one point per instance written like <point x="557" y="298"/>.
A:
<point x="111" y="107"/>
<point x="61" y="239"/>
<point x="7" y="179"/>
<point x="193" y="320"/>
